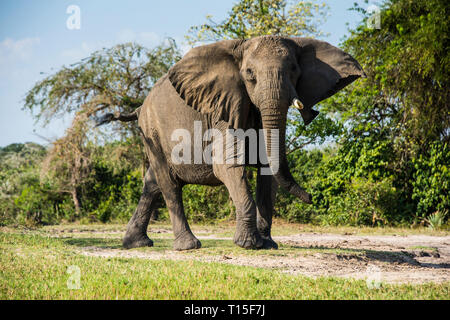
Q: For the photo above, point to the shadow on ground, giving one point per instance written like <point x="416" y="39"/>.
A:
<point x="94" y="242"/>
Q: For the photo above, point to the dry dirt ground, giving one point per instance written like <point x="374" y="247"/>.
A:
<point x="412" y="258"/>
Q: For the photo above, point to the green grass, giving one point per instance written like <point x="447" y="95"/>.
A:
<point x="34" y="266"/>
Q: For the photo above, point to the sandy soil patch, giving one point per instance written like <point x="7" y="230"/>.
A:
<point x="389" y="259"/>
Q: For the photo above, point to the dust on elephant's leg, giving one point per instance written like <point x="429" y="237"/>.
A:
<point x="265" y="194"/>
<point x="247" y="235"/>
<point x="136" y="235"/>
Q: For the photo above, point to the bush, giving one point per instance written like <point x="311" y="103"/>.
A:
<point x="431" y="180"/>
<point x="204" y="203"/>
<point x="112" y="196"/>
<point x="34" y="206"/>
<point x="24" y="198"/>
<point x="363" y="203"/>
<point x="437" y="220"/>
<point x="351" y="185"/>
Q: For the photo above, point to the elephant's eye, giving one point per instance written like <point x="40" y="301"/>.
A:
<point x="295" y="69"/>
<point x="249" y="75"/>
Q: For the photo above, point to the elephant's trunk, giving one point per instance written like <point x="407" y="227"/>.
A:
<point x="274" y="119"/>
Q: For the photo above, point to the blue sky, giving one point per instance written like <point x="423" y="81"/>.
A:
<point x="34" y="39"/>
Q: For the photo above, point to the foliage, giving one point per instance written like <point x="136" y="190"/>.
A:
<point x="36" y="205"/>
<point x="363" y="203"/>
<point x="395" y="122"/>
<point x="321" y="130"/>
<point x="431" y="180"/>
<point x="407" y="63"/>
<point x="436" y="220"/>
<point x="67" y="164"/>
<point x="108" y="191"/>
<point x="351" y="185"/>
<point x="203" y="203"/>
<point x="112" y="196"/>
<point x="22" y="198"/>
<point x="406" y="93"/>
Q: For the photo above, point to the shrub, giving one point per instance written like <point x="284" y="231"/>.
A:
<point x="363" y="203"/>
<point x="431" y="180"/>
<point x="34" y="206"/>
<point x="112" y="196"/>
<point x="436" y="220"/>
<point x="203" y="203"/>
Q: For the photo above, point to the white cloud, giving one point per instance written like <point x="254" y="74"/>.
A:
<point x="17" y="50"/>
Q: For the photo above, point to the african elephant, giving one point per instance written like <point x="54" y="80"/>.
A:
<point x="232" y="84"/>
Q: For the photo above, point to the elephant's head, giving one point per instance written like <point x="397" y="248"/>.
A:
<point x="270" y="72"/>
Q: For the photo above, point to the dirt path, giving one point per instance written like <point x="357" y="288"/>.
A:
<point x="389" y="259"/>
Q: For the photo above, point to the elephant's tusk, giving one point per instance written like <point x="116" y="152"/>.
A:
<point x="297" y="104"/>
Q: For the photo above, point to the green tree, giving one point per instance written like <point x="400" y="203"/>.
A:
<point x="110" y="80"/>
<point x="252" y="18"/>
<point x="23" y="198"/>
<point x="403" y="105"/>
<point x="67" y="164"/>
<point x="408" y="63"/>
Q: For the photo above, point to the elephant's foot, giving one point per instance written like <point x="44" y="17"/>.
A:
<point x="186" y="241"/>
<point x="264" y="231"/>
<point x="247" y="239"/>
<point x="136" y="241"/>
<point x="269" y="243"/>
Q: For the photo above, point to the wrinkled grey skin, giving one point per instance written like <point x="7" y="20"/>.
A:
<point x="232" y="84"/>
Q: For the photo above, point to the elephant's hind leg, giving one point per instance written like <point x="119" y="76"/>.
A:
<point x="136" y="235"/>
<point x="171" y="189"/>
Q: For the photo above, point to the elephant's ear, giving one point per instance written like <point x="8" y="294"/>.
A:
<point x="208" y="78"/>
<point x="325" y="70"/>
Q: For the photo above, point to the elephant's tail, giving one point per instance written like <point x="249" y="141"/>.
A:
<point x="124" y="117"/>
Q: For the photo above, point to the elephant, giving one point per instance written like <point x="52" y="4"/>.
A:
<point x="232" y="84"/>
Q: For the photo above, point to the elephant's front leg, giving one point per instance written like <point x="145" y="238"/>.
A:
<point x="184" y="238"/>
<point x="247" y="235"/>
<point x="266" y="189"/>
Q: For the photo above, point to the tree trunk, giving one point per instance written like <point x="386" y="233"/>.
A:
<point x="76" y="201"/>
